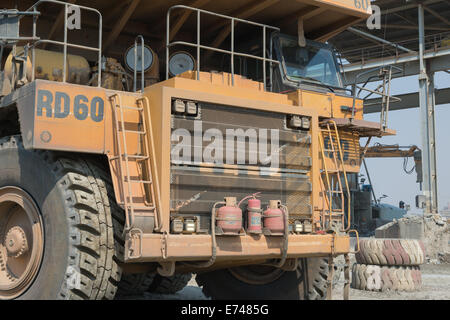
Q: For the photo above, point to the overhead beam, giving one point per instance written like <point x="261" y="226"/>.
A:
<point x="120" y="24"/>
<point x="371" y="36"/>
<point x="408" y="6"/>
<point x="437" y="15"/>
<point x="438" y="60"/>
<point x="401" y="26"/>
<point x="408" y="101"/>
<point x="405" y="19"/>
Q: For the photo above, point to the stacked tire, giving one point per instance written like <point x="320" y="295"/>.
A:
<point x="388" y="264"/>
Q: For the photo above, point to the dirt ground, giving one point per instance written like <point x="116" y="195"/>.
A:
<point x="435" y="279"/>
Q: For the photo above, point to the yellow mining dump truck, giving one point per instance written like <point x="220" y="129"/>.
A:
<point x="160" y="140"/>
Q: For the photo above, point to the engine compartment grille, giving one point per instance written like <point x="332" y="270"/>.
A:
<point x="196" y="183"/>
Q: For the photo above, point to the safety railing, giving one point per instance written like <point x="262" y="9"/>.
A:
<point x="384" y="74"/>
<point x="9" y="26"/>
<point x="65" y="44"/>
<point x="233" y="53"/>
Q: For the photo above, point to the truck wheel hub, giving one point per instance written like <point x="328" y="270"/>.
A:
<point x="22" y="242"/>
<point x="16" y="242"/>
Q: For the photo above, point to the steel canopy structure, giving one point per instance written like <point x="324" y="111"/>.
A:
<point x="414" y="37"/>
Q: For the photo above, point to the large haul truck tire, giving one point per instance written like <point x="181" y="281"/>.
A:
<point x="384" y="278"/>
<point x="134" y="284"/>
<point x="267" y="283"/>
<point x="170" y="285"/>
<point x="390" y="252"/>
<point x="138" y="283"/>
<point x="56" y="226"/>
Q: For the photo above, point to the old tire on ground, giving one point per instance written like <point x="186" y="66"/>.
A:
<point x="170" y="285"/>
<point x="267" y="283"/>
<point x="391" y="252"/>
<point x="384" y="278"/>
<point x="78" y="257"/>
<point x="134" y="284"/>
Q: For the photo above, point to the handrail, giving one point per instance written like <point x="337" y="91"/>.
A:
<point x="357" y="240"/>
<point x="231" y="52"/>
<point x="135" y="63"/>
<point x="65" y="44"/>
<point x="386" y="98"/>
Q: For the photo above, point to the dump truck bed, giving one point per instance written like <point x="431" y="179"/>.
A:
<point x="323" y="17"/>
<point x="122" y="20"/>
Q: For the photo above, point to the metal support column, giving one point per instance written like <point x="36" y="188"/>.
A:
<point x="426" y="98"/>
<point x="432" y="147"/>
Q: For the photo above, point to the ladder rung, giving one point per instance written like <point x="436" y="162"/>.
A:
<point x="130" y="108"/>
<point x="335" y="191"/>
<point x="138" y="181"/>
<point x="131" y="157"/>
<point x="136" y="156"/>
<point x="134" y="131"/>
<point x="141" y="207"/>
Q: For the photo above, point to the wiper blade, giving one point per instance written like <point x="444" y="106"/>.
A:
<point x="312" y="80"/>
<point x="304" y="78"/>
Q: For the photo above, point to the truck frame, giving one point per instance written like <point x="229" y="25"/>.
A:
<point x="98" y="180"/>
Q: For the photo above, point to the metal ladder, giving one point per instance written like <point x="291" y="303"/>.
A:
<point x="148" y="179"/>
<point x="333" y="180"/>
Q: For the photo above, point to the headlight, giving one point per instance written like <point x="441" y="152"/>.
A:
<point x="178" y="106"/>
<point x="177" y="226"/>
<point x="189" y="226"/>
<point x="298" y="227"/>
<point x="306" y="123"/>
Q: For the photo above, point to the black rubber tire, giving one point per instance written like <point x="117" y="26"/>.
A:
<point x="134" y="284"/>
<point x="75" y="199"/>
<point x="170" y="285"/>
<point x="223" y="285"/>
<point x="386" y="278"/>
<point x="391" y="252"/>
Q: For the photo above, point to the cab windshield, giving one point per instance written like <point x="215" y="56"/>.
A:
<point x="311" y="63"/>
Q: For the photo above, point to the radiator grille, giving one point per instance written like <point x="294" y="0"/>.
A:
<point x="196" y="185"/>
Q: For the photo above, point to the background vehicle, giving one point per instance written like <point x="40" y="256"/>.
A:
<point x="368" y="211"/>
<point x="110" y="169"/>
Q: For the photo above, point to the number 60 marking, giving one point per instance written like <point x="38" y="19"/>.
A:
<point x="362" y="4"/>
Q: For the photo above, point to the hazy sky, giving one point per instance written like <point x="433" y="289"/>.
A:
<point x="387" y="174"/>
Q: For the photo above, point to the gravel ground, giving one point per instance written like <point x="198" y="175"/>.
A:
<point x="435" y="279"/>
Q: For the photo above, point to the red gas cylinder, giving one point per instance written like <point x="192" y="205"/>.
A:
<point x="273" y="218"/>
<point x="254" y="216"/>
<point x="229" y="217"/>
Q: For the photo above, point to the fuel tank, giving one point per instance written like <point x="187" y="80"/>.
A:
<point x="49" y="66"/>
